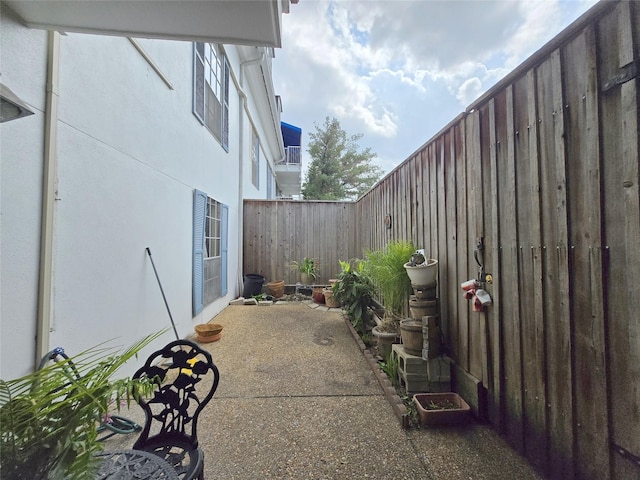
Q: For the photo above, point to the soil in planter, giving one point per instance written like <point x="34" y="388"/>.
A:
<point x="440" y="405"/>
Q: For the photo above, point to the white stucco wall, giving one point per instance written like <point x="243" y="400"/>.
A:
<point x="23" y="70"/>
<point x="130" y="153"/>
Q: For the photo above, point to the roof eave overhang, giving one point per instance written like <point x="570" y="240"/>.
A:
<point x="242" y="22"/>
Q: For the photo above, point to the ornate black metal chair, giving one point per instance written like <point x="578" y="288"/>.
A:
<point x="184" y="380"/>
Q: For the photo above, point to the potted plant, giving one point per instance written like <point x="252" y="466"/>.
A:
<point x="441" y="408"/>
<point x="276" y="288"/>
<point x="386" y="268"/>
<point x="49" y="418"/>
<point x="318" y="294"/>
<point x="354" y="291"/>
<point x="308" y="268"/>
<point x="422" y="272"/>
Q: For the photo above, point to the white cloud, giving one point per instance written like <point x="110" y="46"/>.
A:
<point x="469" y="90"/>
<point x="398" y="71"/>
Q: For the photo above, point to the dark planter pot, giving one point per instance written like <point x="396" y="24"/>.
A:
<point x="252" y="285"/>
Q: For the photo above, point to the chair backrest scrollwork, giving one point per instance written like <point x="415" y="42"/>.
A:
<point x="184" y="379"/>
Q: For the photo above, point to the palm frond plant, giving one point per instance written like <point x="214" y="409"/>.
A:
<point x="354" y="290"/>
<point x="386" y="268"/>
<point x="49" y="418"/>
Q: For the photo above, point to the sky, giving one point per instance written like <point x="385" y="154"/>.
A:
<point x="398" y="71"/>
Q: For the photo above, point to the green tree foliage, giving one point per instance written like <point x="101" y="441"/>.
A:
<point x="339" y="170"/>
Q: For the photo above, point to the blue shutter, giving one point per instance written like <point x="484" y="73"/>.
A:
<point x="224" y="249"/>
<point x="199" y="216"/>
<point x="198" y="81"/>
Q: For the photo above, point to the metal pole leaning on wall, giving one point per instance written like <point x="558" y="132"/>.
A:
<point x="163" y="295"/>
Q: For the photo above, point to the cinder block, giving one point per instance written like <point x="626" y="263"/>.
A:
<point x="237" y="301"/>
<point x="421" y="384"/>
<point x="408" y="363"/>
<point x="414" y="383"/>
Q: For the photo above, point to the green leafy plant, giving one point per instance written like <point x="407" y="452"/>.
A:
<point x="386" y="268"/>
<point x="308" y="265"/>
<point x="441" y="405"/>
<point x="354" y="290"/>
<point x="412" y="411"/>
<point x="49" y="418"/>
<point x="390" y="368"/>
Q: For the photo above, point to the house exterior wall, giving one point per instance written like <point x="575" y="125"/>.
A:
<point x="130" y="153"/>
<point x="22" y="68"/>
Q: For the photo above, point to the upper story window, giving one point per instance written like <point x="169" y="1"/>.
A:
<point x="211" y="90"/>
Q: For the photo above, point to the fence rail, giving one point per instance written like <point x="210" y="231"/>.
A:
<point x="544" y="171"/>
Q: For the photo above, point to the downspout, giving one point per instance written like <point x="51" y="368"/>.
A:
<point x="50" y="167"/>
<point x="242" y="98"/>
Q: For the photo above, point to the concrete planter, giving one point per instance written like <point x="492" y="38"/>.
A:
<point x="411" y="333"/>
<point x="384" y="341"/>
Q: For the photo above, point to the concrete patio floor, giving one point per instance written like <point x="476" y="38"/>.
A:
<point x="298" y="400"/>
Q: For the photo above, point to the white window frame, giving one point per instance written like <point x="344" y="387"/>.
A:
<point x="210" y="231"/>
<point x="211" y="89"/>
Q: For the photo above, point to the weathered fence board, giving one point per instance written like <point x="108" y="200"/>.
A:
<point x="586" y="269"/>
<point x="544" y="170"/>
<point x="555" y="289"/>
<point x="620" y="173"/>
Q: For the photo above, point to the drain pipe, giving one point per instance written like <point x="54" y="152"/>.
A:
<point x="50" y="167"/>
<point x="242" y="100"/>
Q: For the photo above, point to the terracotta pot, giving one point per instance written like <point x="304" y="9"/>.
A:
<point x="208" y="329"/>
<point x="208" y="332"/>
<point x="329" y="300"/>
<point x="318" y="295"/>
<point x="209" y="338"/>
<point x="446" y="416"/>
<point x="276" y="288"/>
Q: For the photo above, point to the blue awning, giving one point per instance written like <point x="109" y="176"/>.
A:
<point x="291" y="135"/>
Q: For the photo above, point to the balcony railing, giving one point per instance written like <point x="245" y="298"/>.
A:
<point x="292" y="156"/>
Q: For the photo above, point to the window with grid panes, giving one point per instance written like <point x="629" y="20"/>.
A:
<point x="211" y="90"/>
<point x="212" y="251"/>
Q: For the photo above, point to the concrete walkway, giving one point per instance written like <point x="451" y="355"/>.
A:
<point x="298" y="400"/>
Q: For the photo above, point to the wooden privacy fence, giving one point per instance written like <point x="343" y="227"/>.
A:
<point x="279" y="232"/>
<point x="543" y="170"/>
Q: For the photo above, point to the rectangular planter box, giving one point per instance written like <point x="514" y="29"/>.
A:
<point x="451" y="416"/>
